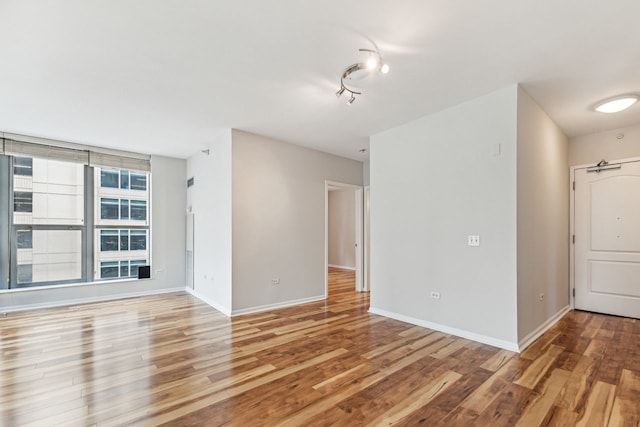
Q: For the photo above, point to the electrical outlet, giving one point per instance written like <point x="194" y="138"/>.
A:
<point x="541" y="296"/>
<point x="473" y="240"/>
<point x="275" y="281"/>
<point x="435" y="295"/>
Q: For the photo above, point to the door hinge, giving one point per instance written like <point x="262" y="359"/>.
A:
<point x="574" y="186"/>
<point x="573" y="239"/>
<point x="574" y="292"/>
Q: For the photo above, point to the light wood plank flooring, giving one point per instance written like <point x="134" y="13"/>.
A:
<point x="172" y="360"/>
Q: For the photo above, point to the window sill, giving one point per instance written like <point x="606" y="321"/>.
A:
<point x="72" y="285"/>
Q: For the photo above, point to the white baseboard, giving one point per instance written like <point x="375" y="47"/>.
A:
<point x="67" y="303"/>
<point x="215" y="305"/>
<point x="344" y="267"/>
<point x="529" y="339"/>
<point x="507" y="345"/>
<point x="268" y="307"/>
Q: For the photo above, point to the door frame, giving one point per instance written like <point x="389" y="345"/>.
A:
<point x="572" y="223"/>
<point x="366" y="240"/>
<point x="359" y="236"/>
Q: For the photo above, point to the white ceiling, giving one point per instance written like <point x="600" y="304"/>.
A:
<point x="165" y="76"/>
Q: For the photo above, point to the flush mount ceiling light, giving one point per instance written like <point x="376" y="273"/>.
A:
<point x="360" y="70"/>
<point x="616" y="104"/>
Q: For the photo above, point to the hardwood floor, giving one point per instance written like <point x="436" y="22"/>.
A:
<point x="172" y="360"/>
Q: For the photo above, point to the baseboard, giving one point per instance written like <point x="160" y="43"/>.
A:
<point x="507" y="345"/>
<point x="529" y="339"/>
<point x="343" y="267"/>
<point x="268" y="307"/>
<point x="215" y="305"/>
<point x="67" y="303"/>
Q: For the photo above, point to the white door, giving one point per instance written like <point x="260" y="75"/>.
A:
<point x="358" y="243"/>
<point x="607" y="239"/>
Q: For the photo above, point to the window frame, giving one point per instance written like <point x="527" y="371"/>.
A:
<point x="88" y="229"/>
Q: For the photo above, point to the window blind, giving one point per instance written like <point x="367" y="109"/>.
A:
<point x="50" y="152"/>
<point x="119" y="162"/>
<point x="20" y="145"/>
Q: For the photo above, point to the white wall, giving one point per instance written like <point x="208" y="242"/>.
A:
<point x="543" y="218"/>
<point x="210" y="201"/>
<point x="168" y="199"/>
<point x="591" y="148"/>
<point x="279" y="219"/>
<point x="342" y="228"/>
<point x="434" y="181"/>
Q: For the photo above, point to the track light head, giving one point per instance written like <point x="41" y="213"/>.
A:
<point x="372" y="62"/>
<point x="350" y="101"/>
<point x="340" y="92"/>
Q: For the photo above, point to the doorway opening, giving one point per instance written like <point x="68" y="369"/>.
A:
<point x="344" y="232"/>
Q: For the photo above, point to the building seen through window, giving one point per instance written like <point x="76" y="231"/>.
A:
<point x="122" y="223"/>
<point x="47" y="222"/>
<point x="50" y="240"/>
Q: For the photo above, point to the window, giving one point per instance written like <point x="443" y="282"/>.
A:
<point x="122" y="227"/>
<point x="124" y="209"/>
<point x="124" y="268"/>
<point x="139" y="210"/>
<point x="23" y="201"/>
<point x="124" y="180"/>
<point x="25" y="239"/>
<point x="138" y="181"/>
<point x="120" y="269"/>
<point x="25" y="273"/>
<point x="109" y="208"/>
<point x="138" y="240"/>
<point x="23" y="166"/>
<point x="109" y="270"/>
<point x="108" y="240"/>
<point x="108" y="178"/>
<point x="48" y="240"/>
<point x="124" y="240"/>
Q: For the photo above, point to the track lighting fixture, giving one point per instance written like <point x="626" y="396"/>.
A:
<point x="373" y="63"/>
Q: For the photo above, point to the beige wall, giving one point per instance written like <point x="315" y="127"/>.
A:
<point x="279" y="219"/>
<point x="434" y="181"/>
<point x="590" y="149"/>
<point x="365" y="172"/>
<point x="342" y="228"/>
<point x="543" y="218"/>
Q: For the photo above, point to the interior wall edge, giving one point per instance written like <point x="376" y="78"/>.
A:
<point x="529" y="339"/>
<point x="484" y="339"/>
